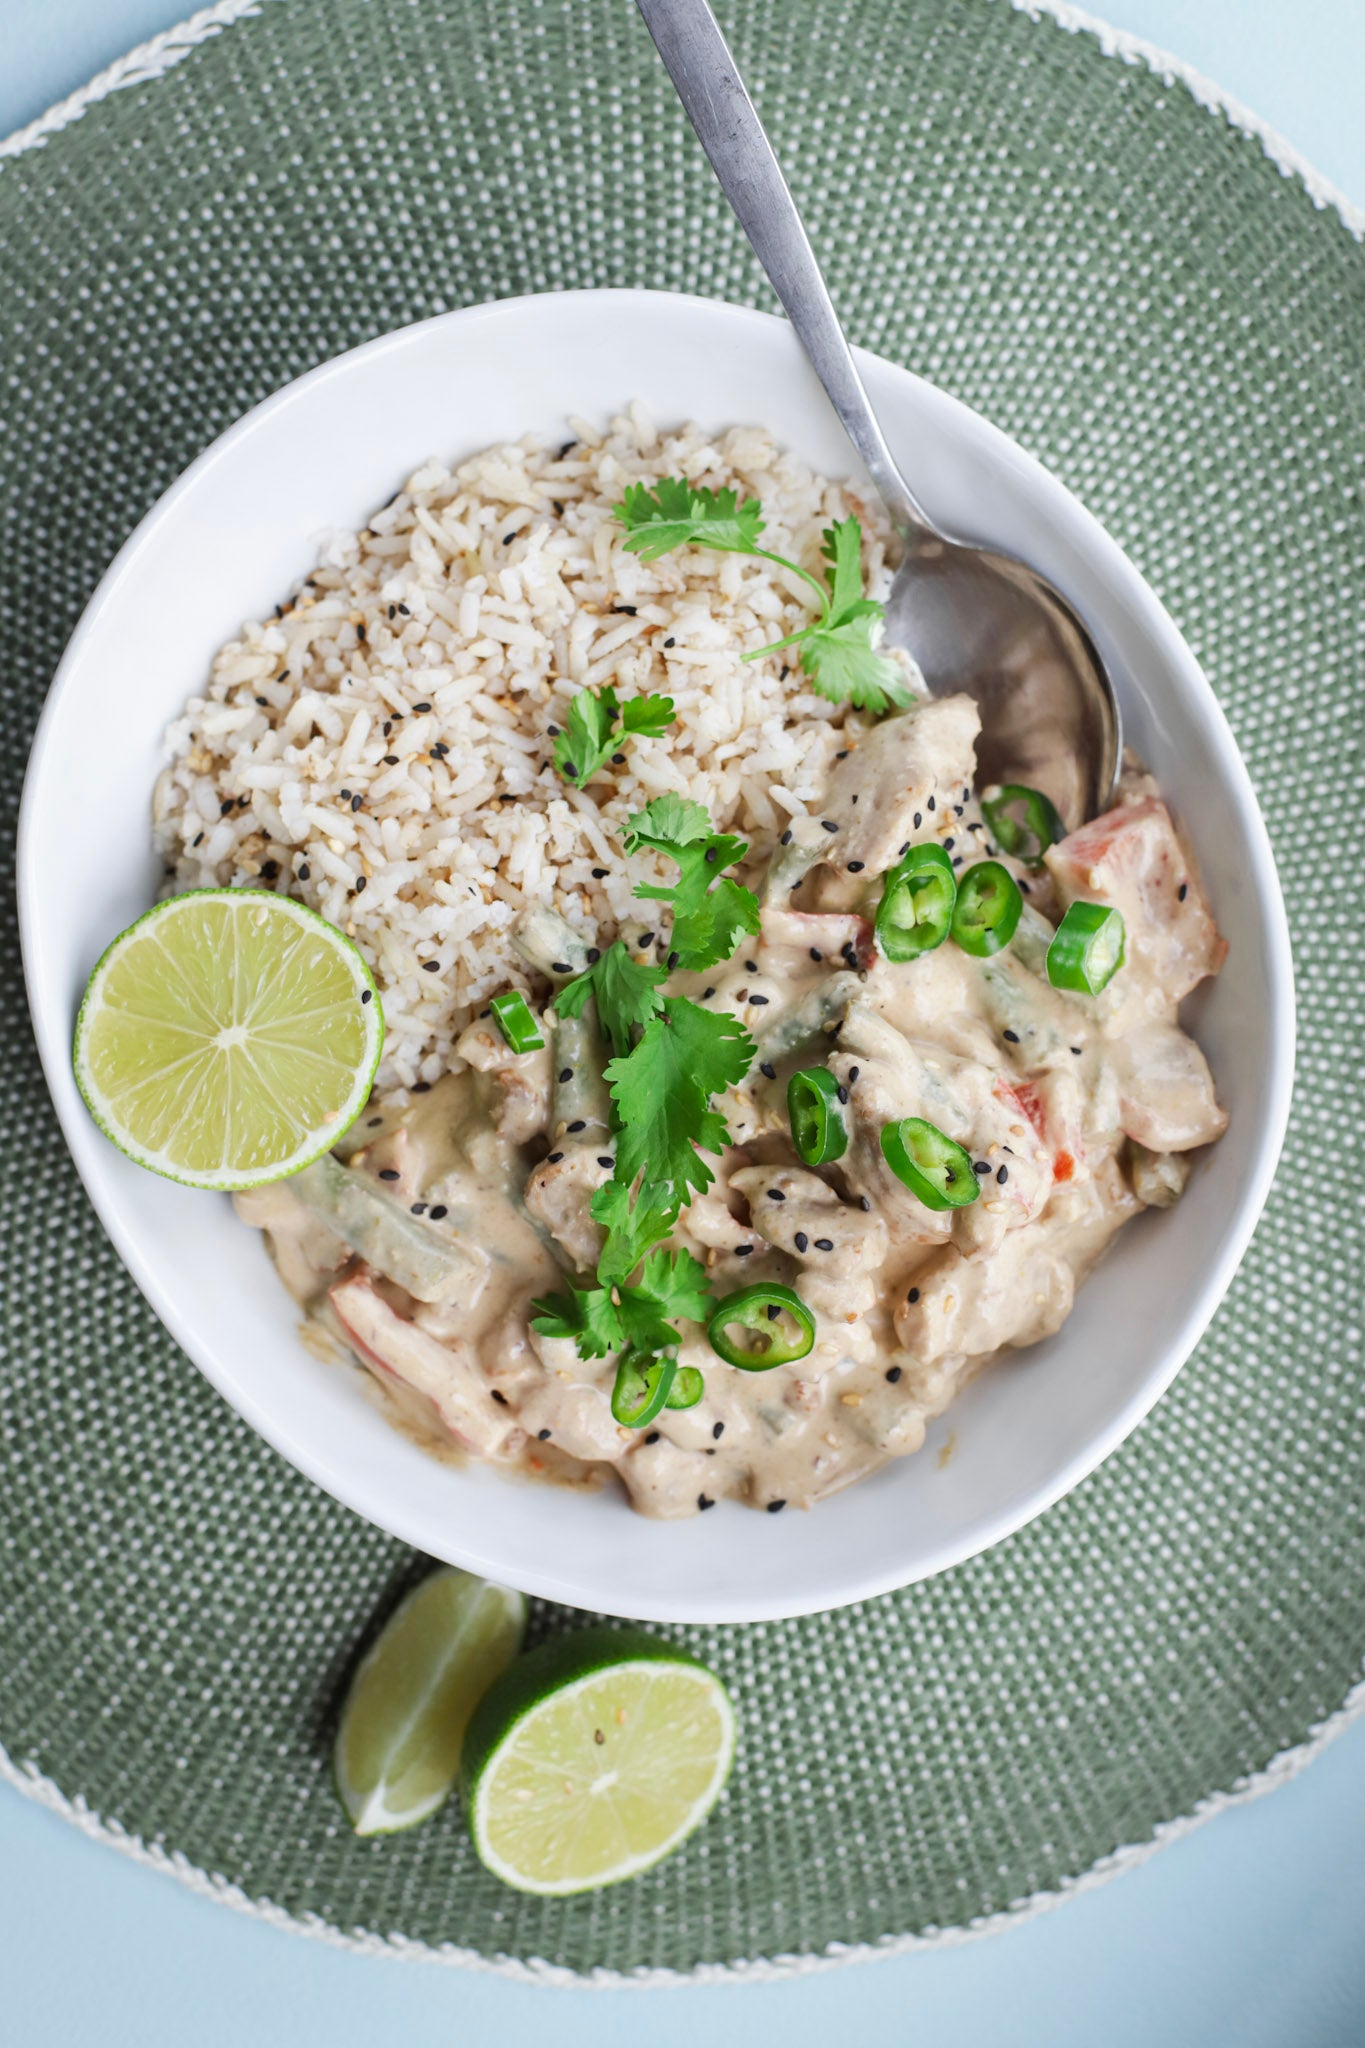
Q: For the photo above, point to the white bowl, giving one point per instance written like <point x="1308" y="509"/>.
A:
<point x="223" y="545"/>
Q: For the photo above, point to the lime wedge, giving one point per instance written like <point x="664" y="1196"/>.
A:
<point x="592" y="1758"/>
<point x="398" y="1747"/>
<point x="228" y="1037"/>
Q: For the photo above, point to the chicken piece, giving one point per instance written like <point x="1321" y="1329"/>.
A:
<point x="903" y="768"/>
<point x="1159" y="1178"/>
<point x="560" y="1405"/>
<point x="1132" y="859"/>
<point x="1166" y="1098"/>
<point x="888" y="1077"/>
<point x="962" y="1307"/>
<point x="520" y="1081"/>
<point x="794" y="941"/>
<point x="305" y="1250"/>
<point x="439" y="1379"/>
<point x="1055" y="1104"/>
<point x="839" y="1248"/>
<point x="666" y="1481"/>
<point x="558" y="1195"/>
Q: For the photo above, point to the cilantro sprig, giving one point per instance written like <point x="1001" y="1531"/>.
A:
<point x="662" y="1094"/>
<point x="711" y="911"/>
<point x="601" y="1319"/>
<point x="625" y="990"/>
<point x="597" y="726"/>
<point x="838" y="649"/>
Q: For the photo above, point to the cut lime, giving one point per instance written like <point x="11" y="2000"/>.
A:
<point x="398" y="1747"/>
<point x="228" y="1037"/>
<point x="594" y="1757"/>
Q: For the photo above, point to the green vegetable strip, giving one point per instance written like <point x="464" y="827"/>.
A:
<point x="688" y="1388"/>
<point x="783" y="1328"/>
<point x="641" y="1389"/>
<point x="579" y="1089"/>
<point x="1087" y="950"/>
<point x="931" y="1164"/>
<point x="550" y="945"/>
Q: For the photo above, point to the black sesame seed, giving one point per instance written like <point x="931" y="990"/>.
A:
<point x="421" y="1087"/>
<point x="366" y="995"/>
<point x="672" y="961"/>
<point x="198" y="840"/>
<point x="630" y="610"/>
<point x="360" y="886"/>
<point x="439" y="1211"/>
<point x="710" y="856"/>
<point x="828" y="825"/>
<point x="501" y="1399"/>
<point x="843" y="1092"/>
<point x="653" y="1437"/>
<point x="617" y="760"/>
<point x="949" y="843"/>
<point x="802" y="1241"/>
<point x="742" y="1251"/>
<point x="981" y="1167"/>
<point x="865" y="1204"/>
<point x="906" y="847"/>
<point x="1023" y="883"/>
<point x="421" y="707"/>
<point x="570" y="769"/>
<point x="913" y="1296"/>
<point x="751" y="967"/>
<point x="578" y="1124"/>
<point x="605" y="1159"/>
<point x="761" y="1001"/>
<point x="393" y="611"/>
<point x="773" y="1312"/>
<point x="855" y="867"/>
<point x="406" y="613"/>
<point x="775" y="1507"/>
<point x="854" y="797"/>
<point x="387" y="727"/>
<point x="542" y="1436"/>
<point x="917" y="820"/>
<point x="565" y="1074"/>
<point x="263" y="700"/>
<point x="853" y="1074"/>
<point x="816" y="954"/>
<point x="594" y="955"/>
<point x="824" y="1244"/>
<point x="718" y="1430"/>
<point x="776" y="1195"/>
<point x="356" y="802"/>
<point x="894" y="1374"/>
<point x="389" y="1173"/>
<point x="560" y="967"/>
<point x="568" y="449"/>
<point x="225" y="806"/>
<point x="975" y="825"/>
<point x="508" y="539"/>
<point x="958" y="809"/>
<point x="1002" y="1174"/>
<point x="557" y="507"/>
<point x="374" y="1123"/>
<point x="707" y="993"/>
<point x="554" y="1159"/>
<point x="390" y="760"/>
<point x="768" y="1070"/>
<point x="931" y="803"/>
<point x="1077" y="1050"/>
<point x="646" y="938"/>
<point x="671" y="641"/>
<point x="599" y="874"/>
<point x="553" y="731"/>
<point x="431" y="967"/>
<point x="786" y="839"/>
<point x="1012" y="1036"/>
<point x="419" y="1208"/>
<point x="704" y="1501"/>
<point x="1182" y="892"/>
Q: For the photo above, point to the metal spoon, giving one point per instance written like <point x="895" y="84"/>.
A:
<point x="975" y="620"/>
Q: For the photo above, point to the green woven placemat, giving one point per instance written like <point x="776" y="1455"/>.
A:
<point x="1129" y="284"/>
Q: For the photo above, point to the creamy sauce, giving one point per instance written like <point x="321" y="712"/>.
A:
<point x="1076" y="1112"/>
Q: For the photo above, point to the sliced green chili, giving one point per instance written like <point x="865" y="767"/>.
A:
<point x="819" y="1131"/>
<point x="688" y="1388"/>
<point x="515" y="1022"/>
<point x="916" y="910"/>
<point x="783" y="1327"/>
<point x="643" y="1384"/>
<point x="988" y="908"/>
<point x="930" y="1163"/>
<point x="1024" y="821"/>
<point x="1087" y="949"/>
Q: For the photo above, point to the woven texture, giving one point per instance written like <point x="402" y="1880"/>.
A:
<point x="1123" y="281"/>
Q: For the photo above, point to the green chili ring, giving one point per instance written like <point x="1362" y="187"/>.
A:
<point x="818" y="1129"/>
<point x="642" y="1386"/>
<point x="762" y="1308"/>
<point x="512" y="1014"/>
<point x="988" y="908"/>
<point x="916" y="910"/>
<point x="1087" y="949"/>
<point x="932" y="1165"/>
<point x="1039" y="821"/>
<point x="687" y="1389"/>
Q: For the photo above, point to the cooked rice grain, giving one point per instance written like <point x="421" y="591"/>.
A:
<point x="381" y="747"/>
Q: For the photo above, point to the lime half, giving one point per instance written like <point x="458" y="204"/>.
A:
<point x="228" y="1037"/>
<point x="595" y="1756"/>
<point x="398" y="1747"/>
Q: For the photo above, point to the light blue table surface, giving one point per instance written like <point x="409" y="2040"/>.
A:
<point x="1250" y="1931"/>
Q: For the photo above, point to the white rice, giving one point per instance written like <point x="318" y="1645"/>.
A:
<point x="487" y="595"/>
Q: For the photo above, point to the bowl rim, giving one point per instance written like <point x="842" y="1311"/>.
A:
<point x="874" y="1576"/>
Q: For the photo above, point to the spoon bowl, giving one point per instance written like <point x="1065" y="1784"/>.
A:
<point x="976" y="622"/>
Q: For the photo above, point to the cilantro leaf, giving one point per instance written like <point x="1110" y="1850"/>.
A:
<point x="632" y="1228"/>
<point x="586" y="1314"/>
<point x="709" y="915"/>
<point x="678" y="514"/>
<point x="843" y="664"/>
<point x="843" y="550"/>
<point x="626" y="991"/>
<point x="663" y="1091"/>
<point x="598" y="723"/>
<point x="679" y="1284"/>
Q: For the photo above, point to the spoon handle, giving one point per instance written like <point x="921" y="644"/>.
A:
<point x="697" y="59"/>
